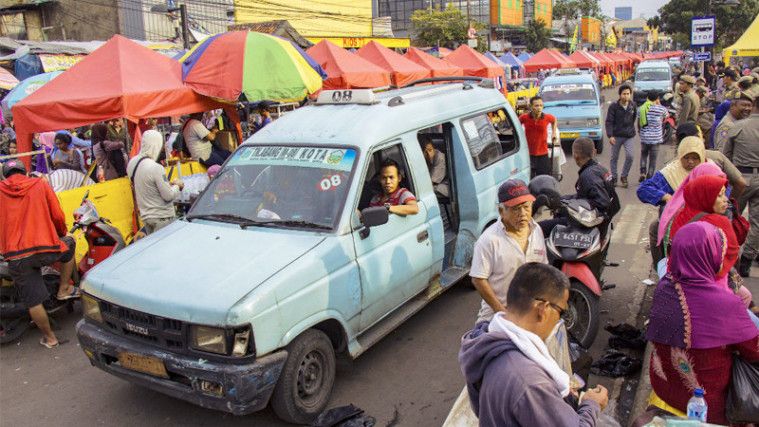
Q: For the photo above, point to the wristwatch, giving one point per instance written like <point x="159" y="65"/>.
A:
<point x="387" y="206"/>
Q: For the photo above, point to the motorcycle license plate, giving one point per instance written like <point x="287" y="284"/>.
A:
<point x="569" y="135"/>
<point x="145" y="364"/>
<point x="572" y="240"/>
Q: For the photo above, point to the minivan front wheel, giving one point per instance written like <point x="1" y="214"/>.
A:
<point x="305" y="385"/>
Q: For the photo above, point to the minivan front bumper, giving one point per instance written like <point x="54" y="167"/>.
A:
<point x="595" y="134"/>
<point x="238" y="388"/>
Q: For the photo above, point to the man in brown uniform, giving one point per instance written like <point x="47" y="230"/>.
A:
<point x="690" y="102"/>
<point x="742" y="148"/>
<point x="740" y="108"/>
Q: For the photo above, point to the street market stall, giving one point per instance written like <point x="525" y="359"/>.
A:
<point x="746" y="46"/>
<point x="346" y="70"/>
<point x="514" y="62"/>
<point x="437" y="67"/>
<point x="402" y="70"/>
<point x="584" y="60"/>
<point x="524" y="56"/>
<point x="474" y="63"/>
<point x="506" y="67"/>
<point x="121" y="79"/>
<point x="547" y="59"/>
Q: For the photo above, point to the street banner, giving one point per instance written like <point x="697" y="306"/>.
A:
<point x="59" y="62"/>
<point x="573" y="45"/>
<point x="611" y="39"/>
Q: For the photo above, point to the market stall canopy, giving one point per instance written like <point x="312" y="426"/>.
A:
<point x="120" y="79"/>
<point x="402" y="70"/>
<point x="584" y="60"/>
<point x="509" y="59"/>
<point x="619" y="59"/>
<point x="346" y="70"/>
<point x="524" y="56"/>
<point x="495" y="59"/>
<point x="256" y="65"/>
<point x="7" y="80"/>
<point x="437" y="67"/>
<point x="605" y="60"/>
<point x="746" y="45"/>
<point x="474" y="63"/>
<point x="547" y="59"/>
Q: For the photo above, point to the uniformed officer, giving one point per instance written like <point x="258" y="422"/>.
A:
<point x="740" y="108"/>
<point x="729" y="85"/>
<point x="690" y="103"/>
<point x="742" y="149"/>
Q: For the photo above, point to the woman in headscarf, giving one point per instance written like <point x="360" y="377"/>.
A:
<point x="109" y="155"/>
<point x="154" y="193"/>
<point x="696" y="325"/>
<point x="658" y="189"/>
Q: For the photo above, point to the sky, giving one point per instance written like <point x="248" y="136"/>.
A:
<point x="646" y="7"/>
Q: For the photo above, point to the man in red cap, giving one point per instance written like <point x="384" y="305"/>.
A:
<point x="504" y="246"/>
<point x="33" y="235"/>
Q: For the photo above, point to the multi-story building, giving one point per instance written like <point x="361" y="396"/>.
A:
<point x="623" y="13"/>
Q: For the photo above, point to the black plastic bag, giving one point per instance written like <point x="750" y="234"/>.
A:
<point x="615" y="364"/>
<point x="743" y="396"/>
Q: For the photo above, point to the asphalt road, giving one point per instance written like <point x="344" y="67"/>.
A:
<point x="410" y="378"/>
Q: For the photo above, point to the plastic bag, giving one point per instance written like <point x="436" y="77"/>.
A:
<point x="743" y="396"/>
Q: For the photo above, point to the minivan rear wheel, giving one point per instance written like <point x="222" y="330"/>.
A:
<point x="305" y="385"/>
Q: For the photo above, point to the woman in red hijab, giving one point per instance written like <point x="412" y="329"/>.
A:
<point x="705" y="200"/>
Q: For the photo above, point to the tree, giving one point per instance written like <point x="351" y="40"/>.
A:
<point x="536" y="35"/>
<point x="732" y="21"/>
<point x="654" y="22"/>
<point x="447" y="27"/>
<point x="573" y="9"/>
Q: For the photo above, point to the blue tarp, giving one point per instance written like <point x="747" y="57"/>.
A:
<point x="27" y="66"/>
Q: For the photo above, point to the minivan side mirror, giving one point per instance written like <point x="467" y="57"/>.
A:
<point x="372" y="217"/>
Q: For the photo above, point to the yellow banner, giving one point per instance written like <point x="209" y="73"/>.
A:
<point x="357" y="42"/>
<point x="611" y="39"/>
<point x="59" y="62"/>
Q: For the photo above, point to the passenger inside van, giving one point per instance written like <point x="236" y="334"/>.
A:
<point x="436" y="166"/>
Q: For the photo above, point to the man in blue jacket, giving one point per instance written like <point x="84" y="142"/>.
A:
<point x="512" y="380"/>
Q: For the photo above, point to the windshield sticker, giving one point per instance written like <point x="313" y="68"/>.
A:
<point x="471" y="129"/>
<point x="567" y="88"/>
<point x="330" y="183"/>
<point x="340" y="159"/>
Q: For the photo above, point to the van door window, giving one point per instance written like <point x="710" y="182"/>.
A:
<point x="490" y="137"/>
<point x="373" y="189"/>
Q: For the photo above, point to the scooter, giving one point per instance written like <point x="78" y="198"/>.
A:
<point x="579" y="250"/>
<point x="103" y="240"/>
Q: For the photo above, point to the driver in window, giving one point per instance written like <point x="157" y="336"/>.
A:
<point x="394" y="198"/>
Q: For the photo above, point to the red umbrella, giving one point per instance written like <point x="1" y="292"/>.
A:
<point x="402" y="70"/>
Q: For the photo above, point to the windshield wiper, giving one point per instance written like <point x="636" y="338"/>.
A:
<point x="230" y="218"/>
<point x="293" y="223"/>
<point x="560" y="104"/>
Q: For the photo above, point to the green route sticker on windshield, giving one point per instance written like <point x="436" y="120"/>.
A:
<point x="339" y="159"/>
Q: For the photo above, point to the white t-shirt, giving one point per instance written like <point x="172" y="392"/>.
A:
<point x="497" y="257"/>
<point x="193" y="134"/>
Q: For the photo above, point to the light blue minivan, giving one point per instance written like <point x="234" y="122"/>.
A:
<point x="280" y="263"/>
<point x="574" y="98"/>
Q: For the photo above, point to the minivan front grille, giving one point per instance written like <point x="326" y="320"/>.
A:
<point x="169" y="334"/>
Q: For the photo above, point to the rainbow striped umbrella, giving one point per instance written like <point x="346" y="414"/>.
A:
<point x="256" y="65"/>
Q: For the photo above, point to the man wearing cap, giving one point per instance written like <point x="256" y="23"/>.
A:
<point x="742" y="149"/>
<point x="503" y="247"/>
<point x="33" y="235"/>
<point x="740" y="108"/>
<point x="690" y="102"/>
<point x="729" y="85"/>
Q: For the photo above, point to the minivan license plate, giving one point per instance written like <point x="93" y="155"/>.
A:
<point x="570" y="135"/>
<point x="145" y="364"/>
<point x="572" y="240"/>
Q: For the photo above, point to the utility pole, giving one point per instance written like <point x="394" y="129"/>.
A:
<point x="185" y="28"/>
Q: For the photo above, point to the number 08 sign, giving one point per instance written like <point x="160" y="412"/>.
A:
<point x="702" y="31"/>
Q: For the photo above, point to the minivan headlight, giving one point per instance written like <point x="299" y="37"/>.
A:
<point x="206" y="338"/>
<point x="91" y="308"/>
<point x="593" y="122"/>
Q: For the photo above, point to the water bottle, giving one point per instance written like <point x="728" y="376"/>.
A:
<point x="697" y="406"/>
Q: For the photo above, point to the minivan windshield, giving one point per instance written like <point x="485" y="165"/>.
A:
<point x="279" y="186"/>
<point x="652" y="75"/>
<point x="568" y="93"/>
